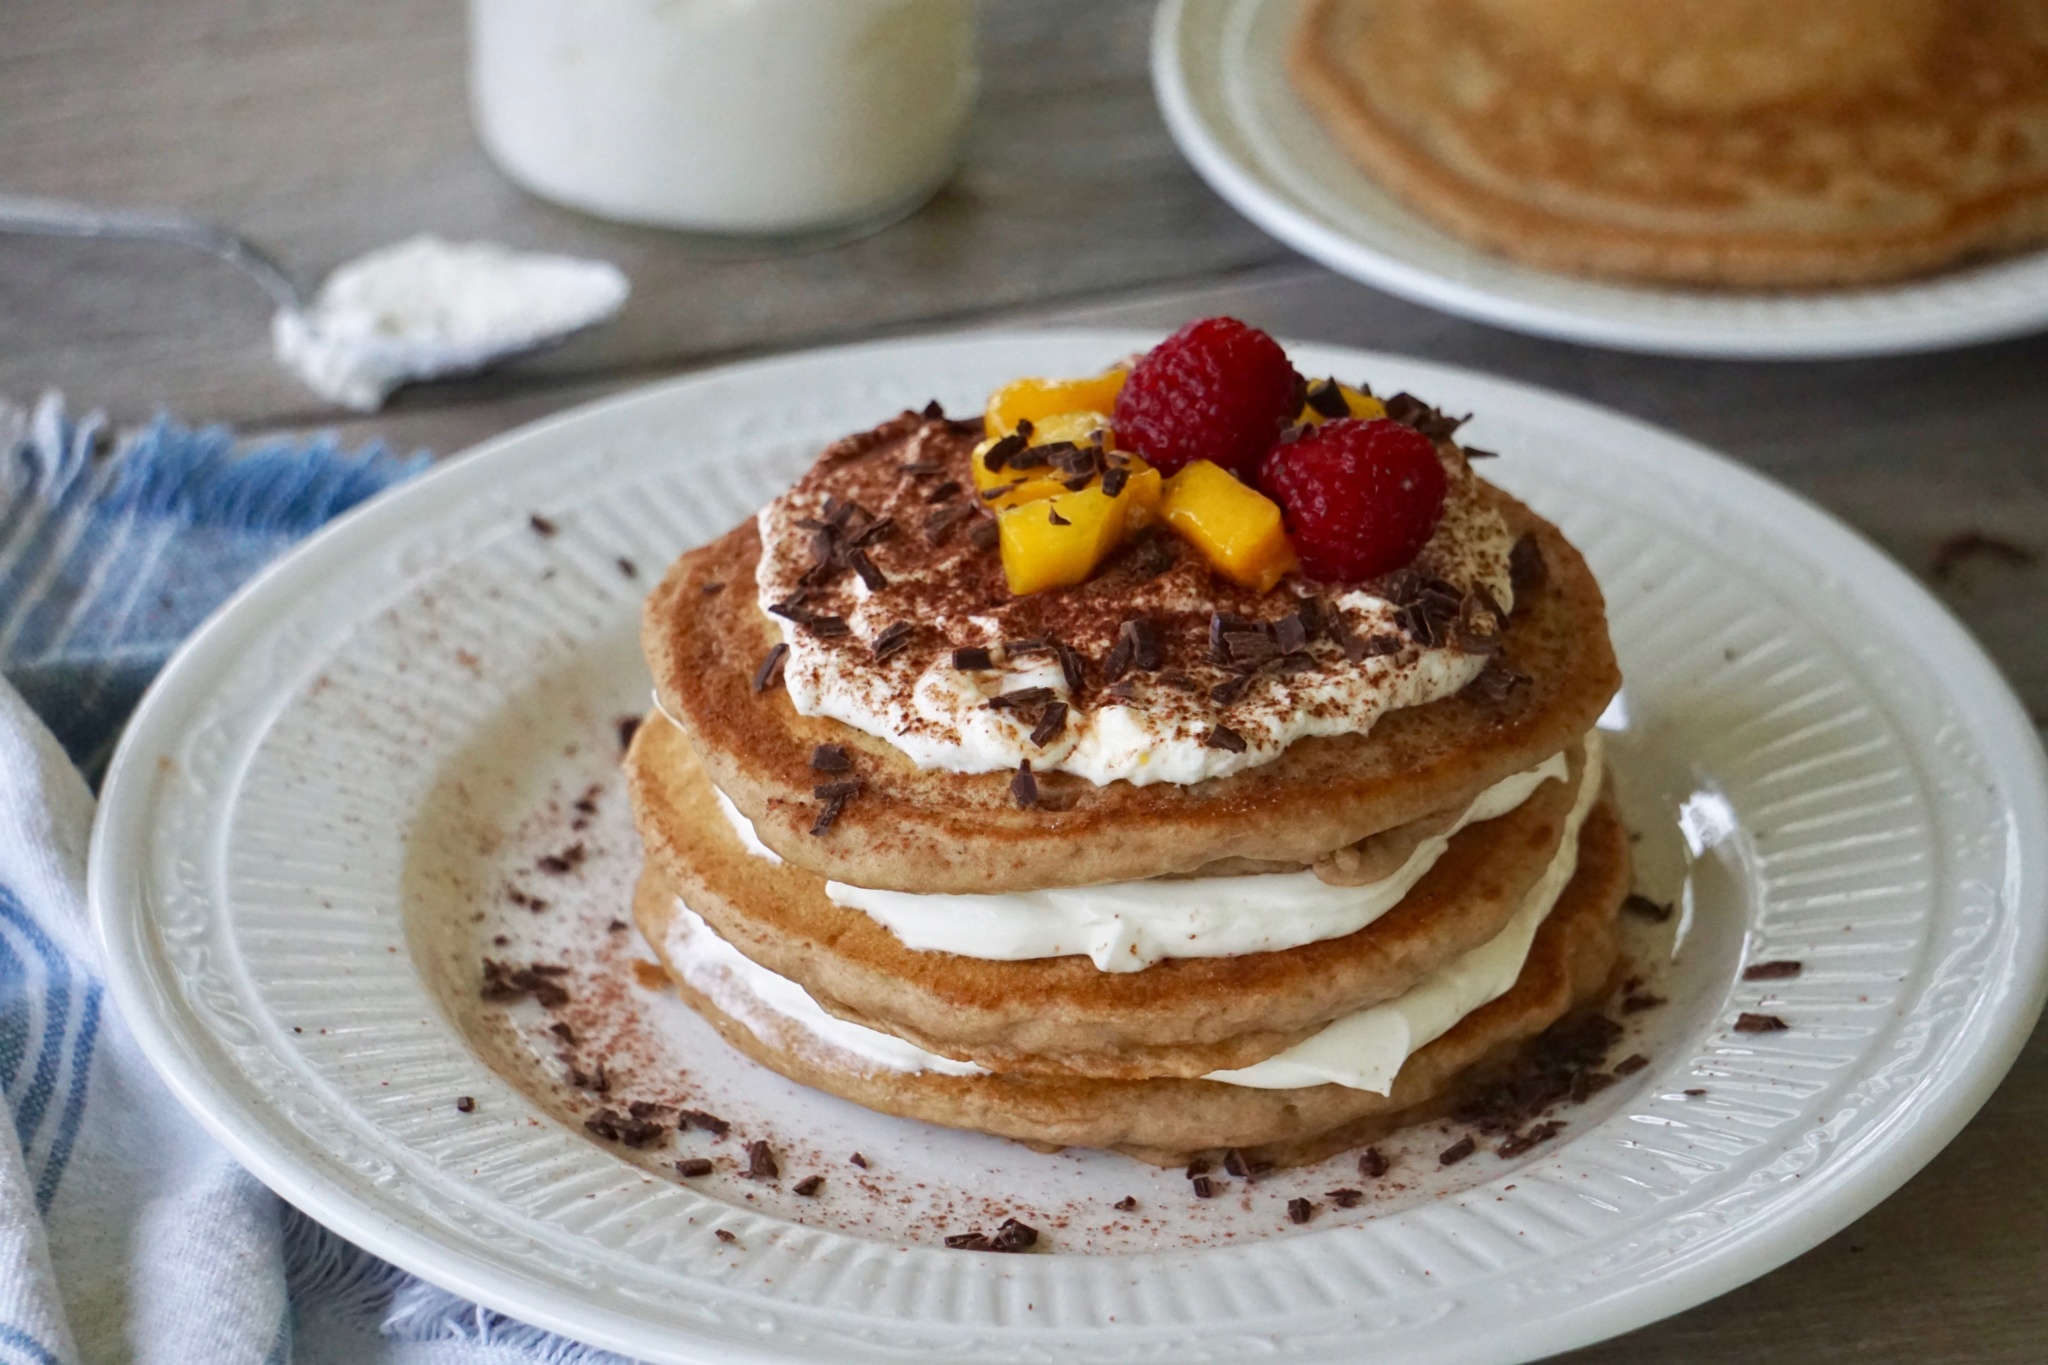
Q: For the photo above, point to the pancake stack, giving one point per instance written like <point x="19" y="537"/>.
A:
<point x="1312" y="940"/>
<point x="1742" y="143"/>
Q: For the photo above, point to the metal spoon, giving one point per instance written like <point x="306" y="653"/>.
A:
<point x="56" y="218"/>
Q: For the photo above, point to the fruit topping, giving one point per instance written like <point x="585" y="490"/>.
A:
<point x="1035" y="400"/>
<point x="1216" y="390"/>
<point x="1238" y="529"/>
<point x="1060" y="540"/>
<point x="1361" y="497"/>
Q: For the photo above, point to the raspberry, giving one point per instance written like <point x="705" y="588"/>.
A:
<point x="1360" y="497"/>
<point x="1215" y="390"/>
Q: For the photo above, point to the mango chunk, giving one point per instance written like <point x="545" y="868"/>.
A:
<point x="1029" y="485"/>
<point x="1056" y="542"/>
<point x="1037" y="399"/>
<point x="1060" y="540"/>
<point x="1363" y="406"/>
<point x="1238" y="529"/>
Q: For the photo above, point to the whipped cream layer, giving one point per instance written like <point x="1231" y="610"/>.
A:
<point x="1362" y="1051"/>
<point x="1128" y="926"/>
<point x="745" y="990"/>
<point x="947" y="589"/>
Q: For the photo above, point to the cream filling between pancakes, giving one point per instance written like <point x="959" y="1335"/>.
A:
<point x="1362" y="1051"/>
<point x="1128" y="926"/>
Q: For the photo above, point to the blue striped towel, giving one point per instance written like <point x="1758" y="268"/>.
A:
<point x="126" y="1233"/>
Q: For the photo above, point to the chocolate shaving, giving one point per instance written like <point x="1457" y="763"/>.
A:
<point x="1642" y="907"/>
<point x="1759" y="1023"/>
<point x="1300" y="1211"/>
<point x="893" y="639"/>
<point x="1238" y="1164"/>
<point x="1071" y="667"/>
<point x="1052" y="515"/>
<point x="627" y="727"/>
<point x="859" y="1160"/>
<point x="945" y="519"/>
<point x="1637" y="1002"/>
<point x="1631" y="1064"/>
<point x="972" y="658"/>
<point x="613" y="1126"/>
<point x="503" y="983"/>
<point x="1457" y="1151"/>
<point x="858" y="561"/>
<point x="996" y="456"/>
<point x="920" y="469"/>
<point x="1021" y="698"/>
<point x="562" y="1031"/>
<point x="1202" y="1187"/>
<point x="1290" y="633"/>
<point x="1523" y="1142"/>
<point x="879" y="529"/>
<point x="835" y="795"/>
<point x="465" y="1104"/>
<point x="1476" y="453"/>
<point x="830" y="758"/>
<point x="1249" y="646"/>
<point x="1200" y="1165"/>
<point x="1148" y="651"/>
<point x="1326" y="398"/>
<point x="949" y="489"/>
<point x="1374" y="1164"/>
<point x="1126" y="1204"/>
<point x="1024" y="786"/>
<point x="1030" y="644"/>
<point x="1771" y="971"/>
<point x="1559" y="1065"/>
<point x="1345" y="1198"/>
<point x="771" y="667"/>
<point x="1119" y="661"/>
<point x="724" y="1236"/>
<point x="1051" y="725"/>
<point x="694" y="1166"/>
<point x="969" y="1241"/>
<point x="593" y="1080"/>
<point x="1114" y="480"/>
<point x="710" y="1123"/>
<point x="1014" y="1236"/>
<point x="627" y="568"/>
<point x="1231" y="690"/>
<point x="984" y="534"/>
<point x="809" y="1186"/>
<point x="761" y="1162"/>
<point x="1223" y="737"/>
<point x="541" y="525"/>
<point x="1411" y="411"/>
<point x="827" y="627"/>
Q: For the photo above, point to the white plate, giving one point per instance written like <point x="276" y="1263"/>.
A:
<point x="1219" y="72"/>
<point x="315" y="822"/>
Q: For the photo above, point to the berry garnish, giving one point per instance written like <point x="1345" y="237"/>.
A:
<point x="1360" y="498"/>
<point x="1215" y="390"/>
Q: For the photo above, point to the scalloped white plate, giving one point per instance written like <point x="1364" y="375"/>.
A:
<point x="318" y="817"/>
<point x="1219" y="72"/>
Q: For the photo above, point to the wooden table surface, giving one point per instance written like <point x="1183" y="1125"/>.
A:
<point x="325" y="129"/>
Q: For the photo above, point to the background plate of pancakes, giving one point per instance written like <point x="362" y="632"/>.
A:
<point x="1221" y="72"/>
<point x="396" y="753"/>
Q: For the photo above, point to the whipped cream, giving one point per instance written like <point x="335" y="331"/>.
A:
<point x="939" y="715"/>
<point x="1362" y="1051"/>
<point x="745" y="990"/>
<point x="1128" y="926"/>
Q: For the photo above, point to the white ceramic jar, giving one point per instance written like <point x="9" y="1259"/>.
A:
<point x="730" y="117"/>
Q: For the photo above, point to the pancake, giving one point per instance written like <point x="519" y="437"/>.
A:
<point x="1182" y="1017"/>
<point x="936" y="831"/>
<point x="1741" y="143"/>
<point x="1170" y="1121"/>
